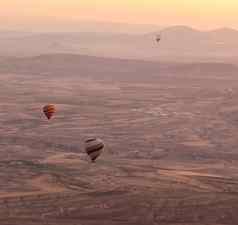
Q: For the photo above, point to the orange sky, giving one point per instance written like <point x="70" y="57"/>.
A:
<point x="197" y="13"/>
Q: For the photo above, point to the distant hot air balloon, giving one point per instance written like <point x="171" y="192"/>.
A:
<point x="49" y="110"/>
<point x="94" y="147"/>
<point x="158" y="38"/>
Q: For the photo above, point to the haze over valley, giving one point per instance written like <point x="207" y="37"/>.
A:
<point x="178" y="43"/>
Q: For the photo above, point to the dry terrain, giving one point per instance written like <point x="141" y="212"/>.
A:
<point x="171" y="135"/>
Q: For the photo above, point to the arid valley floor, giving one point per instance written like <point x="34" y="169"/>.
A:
<point x="171" y="135"/>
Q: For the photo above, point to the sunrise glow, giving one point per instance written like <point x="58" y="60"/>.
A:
<point x="198" y="13"/>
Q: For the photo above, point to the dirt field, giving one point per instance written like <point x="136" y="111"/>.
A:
<point x="171" y="136"/>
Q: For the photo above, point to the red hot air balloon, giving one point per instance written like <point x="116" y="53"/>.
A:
<point x="49" y="110"/>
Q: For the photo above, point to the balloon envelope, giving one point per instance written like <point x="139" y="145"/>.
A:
<point x="49" y="110"/>
<point x="94" y="148"/>
<point x="158" y="38"/>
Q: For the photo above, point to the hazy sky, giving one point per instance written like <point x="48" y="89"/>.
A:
<point x="203" y="14"/>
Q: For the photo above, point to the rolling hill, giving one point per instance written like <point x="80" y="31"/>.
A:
<point x="178" y="43"/>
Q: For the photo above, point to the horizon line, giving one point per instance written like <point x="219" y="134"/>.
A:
<point x="30" y="30"/>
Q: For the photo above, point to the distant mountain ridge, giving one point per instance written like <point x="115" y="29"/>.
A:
<point x="178" y="42"/>
<point x="187" y="28"/>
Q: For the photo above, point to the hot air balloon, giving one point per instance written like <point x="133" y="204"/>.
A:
<point x="49" y="110"/>
<point x="158" y="38"/>
<point x="94" y="147"/>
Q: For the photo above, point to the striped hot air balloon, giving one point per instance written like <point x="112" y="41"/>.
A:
<point x="94" y="147"/>
<point x="49" y="110"/>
